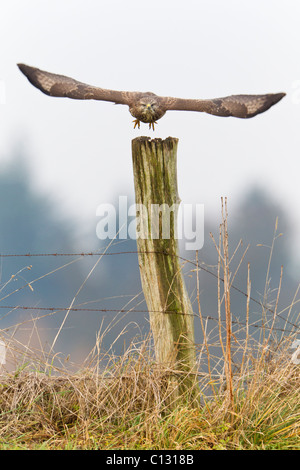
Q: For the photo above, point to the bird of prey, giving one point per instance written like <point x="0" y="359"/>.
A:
<point x="148" y="107"/>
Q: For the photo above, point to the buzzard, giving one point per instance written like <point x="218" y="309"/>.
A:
<point x="148" y="107"/>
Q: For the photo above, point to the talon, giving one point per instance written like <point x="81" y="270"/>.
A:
<point x="151" y="124"/>
<point x="136" y="123"/>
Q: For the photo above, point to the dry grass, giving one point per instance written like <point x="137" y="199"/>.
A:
<point x="248" y="389"/>
<point x="127" y="406"/>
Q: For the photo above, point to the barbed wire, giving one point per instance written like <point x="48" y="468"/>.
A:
<point x="91" y="253"/>
<point x="123" y="310"/>
<point x="165" y="253"/>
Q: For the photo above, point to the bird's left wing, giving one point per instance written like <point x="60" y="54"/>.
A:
<point x="59" y="85"/>
<point x="242" y="106"/>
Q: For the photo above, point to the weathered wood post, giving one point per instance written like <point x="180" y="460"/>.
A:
<point x="170" y="310"/>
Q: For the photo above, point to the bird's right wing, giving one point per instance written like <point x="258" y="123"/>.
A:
<point x="59" y="85"/>
<point x="242" y="106"/>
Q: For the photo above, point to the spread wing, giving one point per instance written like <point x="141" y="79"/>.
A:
<point x="242" y="106"/>
<point x="59" y="85"/>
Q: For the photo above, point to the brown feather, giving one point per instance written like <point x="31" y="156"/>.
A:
<point x="58" y="85"/>
<point x="242" y="106"/>
<point x="148" y="107"/>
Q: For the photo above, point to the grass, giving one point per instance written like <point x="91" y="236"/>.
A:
<point x="248" y="389"/>
<point x="127" y="406"/>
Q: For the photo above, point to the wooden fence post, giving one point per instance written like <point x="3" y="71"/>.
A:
<point x="170" y="310"/>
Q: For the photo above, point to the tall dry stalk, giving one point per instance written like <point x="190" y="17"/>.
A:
<point x="224" y="262"/>
<point x="228" y="361"/>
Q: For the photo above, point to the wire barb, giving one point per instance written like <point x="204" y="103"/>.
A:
<point x="164" y="253"/>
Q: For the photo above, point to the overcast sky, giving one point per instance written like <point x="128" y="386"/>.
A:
<point x="80" y="151"/>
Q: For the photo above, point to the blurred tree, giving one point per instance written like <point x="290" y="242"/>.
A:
<point x="29" y="223"/>
<point x="253" y="223"/>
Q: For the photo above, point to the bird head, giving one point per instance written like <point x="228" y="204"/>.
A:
<point x="148" y="107"/>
